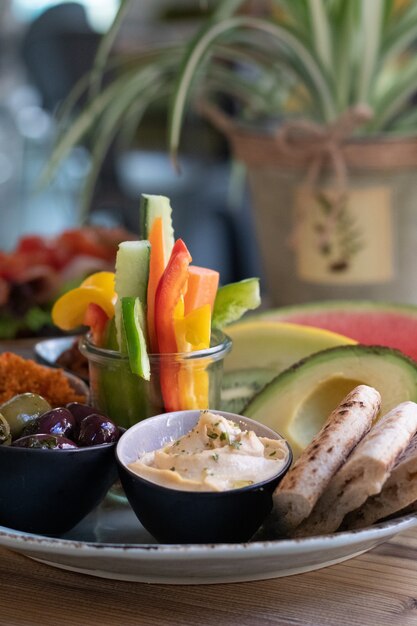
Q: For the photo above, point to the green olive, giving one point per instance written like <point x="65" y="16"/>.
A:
<point x="5" y="436"/>
<point x="22" y="409"/>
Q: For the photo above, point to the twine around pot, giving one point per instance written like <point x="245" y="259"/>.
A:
<point x="257" y="148"/>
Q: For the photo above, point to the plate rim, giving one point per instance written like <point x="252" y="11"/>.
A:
<point x="12" y="538"/>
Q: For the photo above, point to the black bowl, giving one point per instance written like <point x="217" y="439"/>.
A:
<point x="50" y="491"/>
<point x="174" y="516"/>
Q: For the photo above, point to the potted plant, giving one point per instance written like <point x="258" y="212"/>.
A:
<point x="323" y="119"/>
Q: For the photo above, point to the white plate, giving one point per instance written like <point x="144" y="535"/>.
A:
<point x="111" y="543"/>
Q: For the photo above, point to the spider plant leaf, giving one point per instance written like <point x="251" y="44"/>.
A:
<point x="389" y="9"/>
<point x="66" y="108"/>
<point x="76" y="131"/>
<point x="396" y="96"/>
<point x="345" y="23"/>
<point x="247" y="89"/>
<point x="294" y="16"/>
<point x="236" y="52"/>
<point x="405" y="124"/>
<point x="277" y="80"/>
<point x="105" y="47"/>
<point x="371" y="23"/>
<point x="202" y="46"/>
<point x="226" y="8"/>
<point x="321" y="32"/>
<point x="122" y="65"/>
<point x="91" y="114"/>
<point x="112" y="121"/>
<point x="400" y="34"/>
<point x="274" y="69"/>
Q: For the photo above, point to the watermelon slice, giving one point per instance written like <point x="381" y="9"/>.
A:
<point x="369" y="323"/>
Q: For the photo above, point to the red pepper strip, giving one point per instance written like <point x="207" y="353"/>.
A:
<point x="97" y="320"/>
<point x="170" y="289"/>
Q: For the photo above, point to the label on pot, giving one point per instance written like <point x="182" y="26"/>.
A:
<point x="344" y="238"/>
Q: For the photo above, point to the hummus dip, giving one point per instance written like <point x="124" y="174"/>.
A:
<point x="216" y="455"/>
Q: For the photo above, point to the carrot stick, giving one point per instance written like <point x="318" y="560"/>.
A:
<point x="202" y="288"/>
<point x="156" y="269"/>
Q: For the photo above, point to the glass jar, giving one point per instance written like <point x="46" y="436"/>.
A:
<point x="189" y="380"/>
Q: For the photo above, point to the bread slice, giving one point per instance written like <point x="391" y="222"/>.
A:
<point x="298" y="492"/>
<point x="399" y="492"/>
<point x="365" y="471"/>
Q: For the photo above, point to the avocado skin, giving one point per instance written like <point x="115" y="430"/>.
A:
<point x="239" y="382"/>
<point x="324" y="356"/>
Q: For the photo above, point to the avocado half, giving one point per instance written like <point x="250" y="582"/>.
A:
<point x="262" y="350"/>
<point x="298" y="401"/>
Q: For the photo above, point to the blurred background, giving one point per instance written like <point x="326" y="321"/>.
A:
<point x="46" y="47"/>
<point x="304" y="174"/>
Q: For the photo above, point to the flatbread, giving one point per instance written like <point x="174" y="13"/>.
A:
<point x="365" y="471"/>
<point x="399" y="492"/>
<point x="298" y="492"/>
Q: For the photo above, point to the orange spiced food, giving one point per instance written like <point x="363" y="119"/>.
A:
<point x="19" y="375"/>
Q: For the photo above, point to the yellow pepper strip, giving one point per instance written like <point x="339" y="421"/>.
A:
<point x="102" y="280"/>
<point x="193" y="383"/>
<point x="69" y="310"/>
<point x="192" y="332"/>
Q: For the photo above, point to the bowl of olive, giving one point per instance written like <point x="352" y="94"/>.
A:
<point x="59" y="463"/>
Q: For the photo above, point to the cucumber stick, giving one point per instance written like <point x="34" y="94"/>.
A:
<point x="133" y="319"/>
<point x="131" y="278"/>
<point x="152" y="207"/>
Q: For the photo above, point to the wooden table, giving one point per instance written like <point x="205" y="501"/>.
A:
<point x="378" y="588"/>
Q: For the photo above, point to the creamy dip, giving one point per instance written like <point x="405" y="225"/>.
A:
<point x="216" y="455"/>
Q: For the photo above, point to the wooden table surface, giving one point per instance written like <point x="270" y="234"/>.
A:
<point x="378" y="588"/>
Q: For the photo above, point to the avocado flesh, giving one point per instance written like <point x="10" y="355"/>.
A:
<point x="308" y="417"/>
<point x="262" y="352"/>
<point x="298" y="401"/>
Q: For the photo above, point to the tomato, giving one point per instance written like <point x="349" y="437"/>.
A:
<point x="83" y="242"/>
<point x="13" y="265"/>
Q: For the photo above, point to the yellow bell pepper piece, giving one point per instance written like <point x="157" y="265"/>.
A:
<point x="192" y="333"/>
<point x="193" y="385"/>
<point x="179" y="309"/>
<point x="69" y="310"/>
<point x="102" y="280"/>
